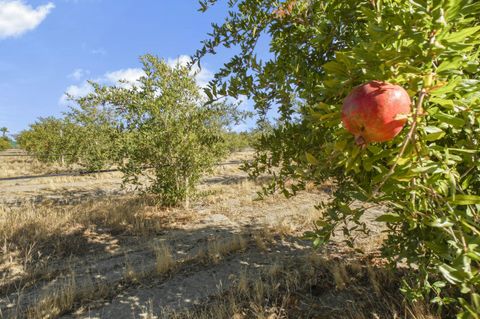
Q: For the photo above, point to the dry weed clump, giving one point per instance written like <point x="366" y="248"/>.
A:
<point x="219" y="248"/>
<point x="55" y="303"/>
<point x="64" y="297"/>
<point x="164" y="259"/>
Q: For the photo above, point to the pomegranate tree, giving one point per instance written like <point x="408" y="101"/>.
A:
<point x="426" y="181"/>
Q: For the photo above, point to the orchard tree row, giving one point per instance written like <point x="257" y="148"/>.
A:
<point x="426" y="178"/>
<point x="160" y="132"/>
<point x="85" y="141"/>
<point x="5" y="142"/>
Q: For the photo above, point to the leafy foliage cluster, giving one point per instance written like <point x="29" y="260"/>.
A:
<point x="5" y="142"/>
<point x="158" y="131"/>
<point x="428" y="177"/>
<point x="239" y="141"/>
<point x="78" y="138"/>
<point x="169" y="137"/>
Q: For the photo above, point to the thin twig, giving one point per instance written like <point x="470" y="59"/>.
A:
<point x="467" y="172"/>
<point x="409" y="137"/>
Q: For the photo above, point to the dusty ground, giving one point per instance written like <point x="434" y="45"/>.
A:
<point x="63" y="189"/>
<point x="81" y="247"/>
<point x="15" y="162"/>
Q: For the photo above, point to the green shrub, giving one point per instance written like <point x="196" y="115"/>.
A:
<point x="167" y="138"/>
<point x="238" y="141"/>
<point x="4" y="143"/>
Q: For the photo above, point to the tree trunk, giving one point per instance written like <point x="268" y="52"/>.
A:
<point x="187" y="199"/>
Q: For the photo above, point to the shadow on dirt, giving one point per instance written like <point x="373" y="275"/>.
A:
<point x="211" y="262"/>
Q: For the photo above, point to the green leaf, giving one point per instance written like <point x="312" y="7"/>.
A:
<point x="419" y="4"/>
<point x="476" y="301"/>
<point x="465" y="200"/>
<point x="374" y="149"/>
<point x="439" y="284"/>
<point x="449" y="65"/>
<point x="473" y="255"/>
<point x="403" y="160"/>
<point x="442" y="102"/>
<point x="452" y="9"/>
<point x="432" y="129"/>
<point x="329" y="116"/>
<point x="333" y="67"/>
<point x="472" y="66"/>
<point x="461" y="35"/>
<point x="472" y="313"/>
<point x="208" y="92"/>
<point x="389" y="218"/>
<point x="450" y="119"/>
<point x="449" y="273"/>
<point x="424" y="169"/>
<point x="340" y="144"/>
<point x="311" y="159"/>
<point x="434" y="135"/>
<point x="317" y="242"/>
<point x="447" y="88"/>
<point x="367" y="165"/>
<point x="462" y="150"/>
<point x="440" y="223"/>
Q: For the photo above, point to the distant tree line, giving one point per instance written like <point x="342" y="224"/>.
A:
<point x="5" y="142"/>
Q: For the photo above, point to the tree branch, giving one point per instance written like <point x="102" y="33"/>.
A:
<point x="410" y="136"/>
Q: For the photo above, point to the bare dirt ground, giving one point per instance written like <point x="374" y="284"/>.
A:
<point x="63" y="189"/>
<point x="82" y="247"/>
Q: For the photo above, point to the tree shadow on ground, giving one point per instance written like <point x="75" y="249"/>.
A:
<point x="133" y="259"/>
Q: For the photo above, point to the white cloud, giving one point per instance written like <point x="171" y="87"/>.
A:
<point x="123" y="78"/>
<point x="202" y="75"/>
<point x="79" y="74"/>
<point x="76" y="91"/>
<point x="129" y="75"/>
<point x="181" y="60"/>
<point x="98" y="51"/>
<point x="17" y="17"/>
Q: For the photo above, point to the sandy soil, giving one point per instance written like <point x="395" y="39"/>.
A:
<point x="109" y="274"/>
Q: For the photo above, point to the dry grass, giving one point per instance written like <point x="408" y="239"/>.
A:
<point x="19" y="165"/>
<point x="284" y="227"/>
<point x="340" y="276"/>
<point x="66" y="182"/>
<point x="164" y="259"/>
<point x="33" y="235"/>
<point x="56" y="302"/>
<point x="308" y="285"/>
<point x="32" y="224"/>
<point x="68" y="293"/>
<point x="291" y="290"/>
<point x="217" y="249"/>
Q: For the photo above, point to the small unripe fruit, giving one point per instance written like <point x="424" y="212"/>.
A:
<point x="376" y="111"/>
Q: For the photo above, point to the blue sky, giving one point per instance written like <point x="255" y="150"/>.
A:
<point x="48" y="47"/>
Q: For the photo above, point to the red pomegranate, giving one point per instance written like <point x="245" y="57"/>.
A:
<point x="375" y="111"/>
